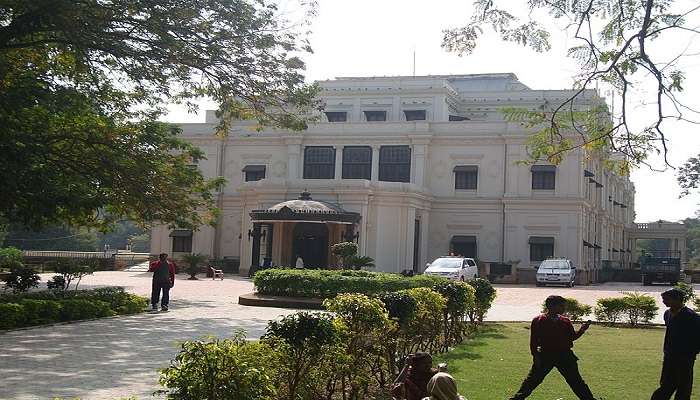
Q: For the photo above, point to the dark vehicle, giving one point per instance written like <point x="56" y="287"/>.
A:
<point x="660" y="266"/>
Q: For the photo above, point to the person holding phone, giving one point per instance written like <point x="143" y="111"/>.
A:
<point x="551" y="341"/>
<point x="412" y="382"/>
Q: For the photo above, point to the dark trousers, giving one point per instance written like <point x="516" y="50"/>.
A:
<point x="567" y="365"/>
<point x="676" y="376"/>
<point x="156" y="287"/>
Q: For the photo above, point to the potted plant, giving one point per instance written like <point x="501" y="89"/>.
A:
<point x="194" y="260"/>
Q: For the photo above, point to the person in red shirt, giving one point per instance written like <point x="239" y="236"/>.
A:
<point x="551" y="340"/>
<point x="163" y="279"/>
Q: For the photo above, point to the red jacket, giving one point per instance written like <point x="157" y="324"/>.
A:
<point x="171" y="269"/>
<point x="552" y="334"/>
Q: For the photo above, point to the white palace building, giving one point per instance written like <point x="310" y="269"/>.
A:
<point x="411" y="168"/>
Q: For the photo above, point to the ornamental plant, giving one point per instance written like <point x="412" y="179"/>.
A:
<point x="574" y="309"/>
<point x="22" y="278"/>
<point x="610" y="309"/>
<point x="639" y="308"/>
<point x="484" y="295"/>
<point x="344" y="250"/>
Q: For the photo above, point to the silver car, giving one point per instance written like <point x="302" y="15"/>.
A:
<point x="558" y="271"/>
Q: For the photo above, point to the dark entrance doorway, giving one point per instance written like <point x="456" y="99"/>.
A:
<point x="464" y="246"/>
<point x="311" y="243"/>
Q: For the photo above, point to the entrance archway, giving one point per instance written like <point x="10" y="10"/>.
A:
<point x="311" y="243"/>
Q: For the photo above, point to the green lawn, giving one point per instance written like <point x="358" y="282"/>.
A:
<point x="617" y="364"/>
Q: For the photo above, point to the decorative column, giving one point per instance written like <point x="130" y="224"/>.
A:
<point x="338" y="162"/>
<point x="255" y="258"/>
<point x="375" y="163"/>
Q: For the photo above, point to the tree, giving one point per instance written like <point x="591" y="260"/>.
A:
<point x="194" y="260"/>
<point x="689" y="175"/>
<point x="83" y="86"/>
<point x="613" y="46"/>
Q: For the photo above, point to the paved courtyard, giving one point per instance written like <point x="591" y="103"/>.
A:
<point x="118" y="357"/>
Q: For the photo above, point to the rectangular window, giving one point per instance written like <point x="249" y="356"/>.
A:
<point x="543" y="177"/>
<point x="319" y="162"/>
<point x="395" y="164"/>
<point x="357" y="162"/>
<point x="337" y="116"/>
<point x="541" y="248"/>
<point x="182" y="240"/>
<point x="372" y="116"/>
<point x="466" y="177"/>
<point x="254" y="172"/>
<point x="415" y="115"/>
<point x="464" y="246"/>
<point x="457" y="118"/>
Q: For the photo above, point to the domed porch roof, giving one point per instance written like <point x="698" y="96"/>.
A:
<point x="305" y="209"/>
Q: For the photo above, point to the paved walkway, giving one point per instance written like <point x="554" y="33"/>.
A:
<point x="119" y="357"/>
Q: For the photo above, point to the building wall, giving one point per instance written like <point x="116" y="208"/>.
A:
<point x="502" y="212"/>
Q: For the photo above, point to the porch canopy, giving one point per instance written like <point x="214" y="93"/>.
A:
<point x="305" y="209"/>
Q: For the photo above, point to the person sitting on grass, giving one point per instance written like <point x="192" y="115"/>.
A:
<point x="412" y="382"/>
<point x="551" y="340"/>
<point x="442" y="386"/>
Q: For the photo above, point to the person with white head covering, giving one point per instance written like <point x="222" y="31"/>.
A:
<point x="442" y="386"/>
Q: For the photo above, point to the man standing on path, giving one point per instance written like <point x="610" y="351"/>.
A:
<point x="551" y="340"/>
<point x="681" y="346"/>
<point x="163" y="279"/>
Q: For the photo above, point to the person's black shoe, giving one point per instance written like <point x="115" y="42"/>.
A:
<point x="164" y="308"/>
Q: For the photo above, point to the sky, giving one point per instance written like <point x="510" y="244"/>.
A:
<point x="379" y="37"/>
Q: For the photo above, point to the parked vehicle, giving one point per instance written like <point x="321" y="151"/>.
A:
<point x="458" y="268"/>
<point x="660" y="266"/>
<point x="560" y="271"/>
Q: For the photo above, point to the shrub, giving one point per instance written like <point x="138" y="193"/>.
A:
<point x="610" y="309"/>
<point x="10" y="257"/>
<point x="193" y="261"/>
<point x="21" y="279"/>
<point x="460" y="298"/>
<point x="400" y="305"/>
<point x="573" y="309"/>
<point x="330" y="283"/>
<point x="426" y="328"/>
<point x="221" y="369"/>
<point x="310" y="353"/>
<point x="687" y="290"/>
<point x="38" y="312"/>
<point x="344" y="250"/>
<point x="57" y="282"/>
<point x="697" y="304"/>
<point x="484" y="294"/>
<point x="71" y="270"/>
<point x="12" y="315"/>
<point x="639" y="308"/>
<point x="77" y="309"/>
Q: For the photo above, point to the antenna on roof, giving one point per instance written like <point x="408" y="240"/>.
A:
<point x="414" y="62"/>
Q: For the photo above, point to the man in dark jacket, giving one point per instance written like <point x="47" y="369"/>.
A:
<point x="163" y="279"/>
<point x="412" y="382"/>
<point x="551" y="340"/>
<point x="681" y="346"/>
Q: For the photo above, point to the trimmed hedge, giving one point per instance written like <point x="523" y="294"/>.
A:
<point x="45" y="307"/>
<point x="330" y="283"/>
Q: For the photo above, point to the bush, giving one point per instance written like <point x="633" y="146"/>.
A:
<point x="21" y="279"/>
<point x="697" y="304"/>
<point x="10" y="257"/>
<point x="77" y="309"/>
<point x="639" y="308"/>
<point x="400" y="305"/>
<point x="330" y="283"/>
<point x="57" y="282"/>
<point x="484" y="295"/>
<point x="574" y="309"/>
<point x="39" y="312"/>
<point x="687" y="290"/>
<point x="460" y="298"/>
<point x="13" y="315"/>
<point x="70" y="270"/>
<point x="221" y="369"/>
<point x="610" y="309"/>
<point x="426" y="328"/>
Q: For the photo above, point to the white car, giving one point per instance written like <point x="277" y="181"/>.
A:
<point x="457" y="268"/>
<point x="556" y="270"/>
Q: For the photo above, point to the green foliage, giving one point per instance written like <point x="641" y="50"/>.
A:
<point x="71" y="270"/>
<point x="688" y="294"/>
<point x="344" y="250"/>
<point x="610" y="309"/>
<point x="574" y="309"/>
<point x="688" y="177"/>
<point x="221" y="369"/>
<point x="613" y="43"/>
<point x="358" y="312"/>
<point x="426" y="328"/>
<point x="359" y="262"/>
<point x="46" y="307"/>
<point x="460" y="298"/>
<point x="401" y="306"/>
<point x="10" y="257"/>
<point x="484" y="295"/>
<point x="57" y="282"/>
<point x="639" y="308"/>
<point x="697" y="304"/>
<point x="52" y="238"/>
<point x="80" y="107"/>
<point x="330" y="283"/>
<point x="303" y="329"/>
<point x="21" y="278"/>
<point x="13" y="315"/>
<point x="77" y="309"/>
<point x="194" y="260"/>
